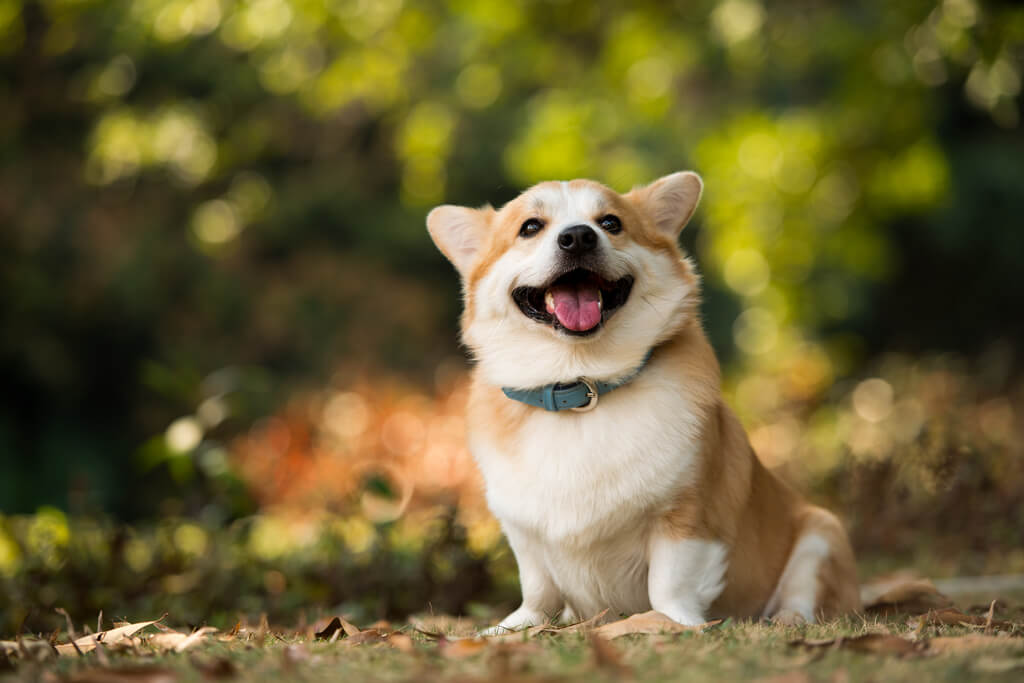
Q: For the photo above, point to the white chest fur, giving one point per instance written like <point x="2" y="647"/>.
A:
<point x="579" y="488"/>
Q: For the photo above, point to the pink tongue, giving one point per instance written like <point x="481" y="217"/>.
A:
<point x="577" y="307"/>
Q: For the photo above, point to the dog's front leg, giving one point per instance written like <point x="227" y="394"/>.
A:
<point x="541" y="598"/>
<point x="685" y="576"/>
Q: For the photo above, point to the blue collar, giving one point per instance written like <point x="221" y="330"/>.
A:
<point x="580" y="395"/>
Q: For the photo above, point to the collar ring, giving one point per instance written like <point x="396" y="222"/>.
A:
<point x="592" y="394"/>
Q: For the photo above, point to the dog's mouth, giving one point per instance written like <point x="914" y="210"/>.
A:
<point x="577" y="303"/>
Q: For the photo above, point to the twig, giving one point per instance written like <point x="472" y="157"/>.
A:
<point x="71" y="631"/>
<point x="988" y="619"/>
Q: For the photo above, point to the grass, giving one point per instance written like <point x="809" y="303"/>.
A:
<point x="730" y="651"/>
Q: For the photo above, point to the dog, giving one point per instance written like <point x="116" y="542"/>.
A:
<point x="620" y="477"/>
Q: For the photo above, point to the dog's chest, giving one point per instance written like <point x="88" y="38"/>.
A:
<point x="583" y="488"/>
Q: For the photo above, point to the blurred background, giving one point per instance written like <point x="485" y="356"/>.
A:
<point x="231" y="382"/>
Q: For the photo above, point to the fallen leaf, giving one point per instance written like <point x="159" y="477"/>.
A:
<point x="34" y="649"/>
<point x="990" y="616"/>
<point x="913" y="596"/>
<point x="166" y="640"/>
<point x="874" y="643"/>
<point x="462" y="647"/>
<point x="607" y="656"/>
<point x="401" y="642"/>
<point x="128" y="674"/>
<point x="194" y="638"/>
<point x="173" y="641"/>
<point x="111" y="637"/>
<point x="954" y="617"/>
<point x="336" y="624"/>
<point x="968" y="643"/>
<point x="439" y="625"/>
<point x="580" y="627"/>
<point x="367" y="637"/>
<point x="647" y="623"/>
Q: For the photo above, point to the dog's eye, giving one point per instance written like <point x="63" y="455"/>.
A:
<point x="610" y="224"/>
<point x="531" y="227"/>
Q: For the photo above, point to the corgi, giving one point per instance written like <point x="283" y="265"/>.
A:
<point x="621" y="479"/>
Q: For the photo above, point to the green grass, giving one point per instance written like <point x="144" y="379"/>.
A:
<point x="730" y="651"/>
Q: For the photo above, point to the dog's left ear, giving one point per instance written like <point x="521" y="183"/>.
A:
<point x="670" y="200"/>
<point x="458" y="232"/>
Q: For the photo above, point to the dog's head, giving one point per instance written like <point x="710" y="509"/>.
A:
<point x="571" y="278"/>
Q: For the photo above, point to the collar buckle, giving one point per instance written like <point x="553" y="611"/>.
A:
<point x="592" y="394"/>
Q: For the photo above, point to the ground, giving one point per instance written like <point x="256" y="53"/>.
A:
<point x="966" y="642"/>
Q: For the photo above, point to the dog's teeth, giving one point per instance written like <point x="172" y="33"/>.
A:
<point x="600" y="300"/>
<point x="549" y="300"/>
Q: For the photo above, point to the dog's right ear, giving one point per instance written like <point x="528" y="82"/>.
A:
<point x="458" y="232"/>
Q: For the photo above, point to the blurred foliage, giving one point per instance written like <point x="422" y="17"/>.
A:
<point x="274" y="565"/>
<point x="218" y="203"/>
<point x="220" y="300"/>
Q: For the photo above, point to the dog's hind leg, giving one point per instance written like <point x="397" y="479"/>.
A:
<point x="820" y="577"/>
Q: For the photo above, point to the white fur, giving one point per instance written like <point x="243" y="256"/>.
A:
<point x="686" y="575"/>
<point x="797" y="590"/>
<point x="575" y="494"/>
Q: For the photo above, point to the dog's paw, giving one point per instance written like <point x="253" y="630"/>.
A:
<point x="498" y="630"/>
<point x="517" y="621"/>
<point x="788" y="617"/>
<point x="685" y="617"/>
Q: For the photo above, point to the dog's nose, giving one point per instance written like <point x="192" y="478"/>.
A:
<point x="577" y="239"/>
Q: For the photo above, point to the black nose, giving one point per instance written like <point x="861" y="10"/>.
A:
<point x="577" y="239"/>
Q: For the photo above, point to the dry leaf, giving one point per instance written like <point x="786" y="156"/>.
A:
<point x="166" y="640"/>
<point x="580" y="627"/>
<point x="913" y="596"/>
<point x="337" y="624"/>
<point x="648" y="623"/>
<point x="607" y="656"/>
<point x="111" y="637"/>
<point x="34" y="649"/>
<point x="367" y="637"/>
<point x="874" y="643"/>
<point x="463" y="647"/>
<point x="194" y="638"/>
<point x="951" y="644"/>
<point x="435" y="626"/>
<point x="169" y="641"/>
<point x="128" y="674"/>
<point x="401" y="642"/>
<point x="954" y="617"/>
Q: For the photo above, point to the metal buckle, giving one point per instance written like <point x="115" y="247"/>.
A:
<point x="591" y="394"/>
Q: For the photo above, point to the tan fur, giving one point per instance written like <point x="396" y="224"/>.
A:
<point x="732" y="497"/>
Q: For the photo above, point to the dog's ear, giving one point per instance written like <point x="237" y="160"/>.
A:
<point x="670" y="200"/>
<point x="458" y="232"/>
